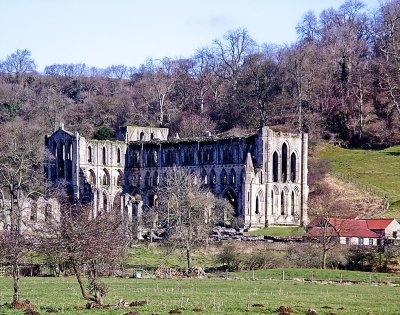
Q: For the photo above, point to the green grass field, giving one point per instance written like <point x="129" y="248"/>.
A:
<point x="153" y="256"/>
<point x="237" y="295"/>
<point x="379" y="169"/>
<point x="280" y="231"/>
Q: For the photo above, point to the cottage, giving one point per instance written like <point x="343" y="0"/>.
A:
<point x="343" y="231"/>
<point x="388" y="229"/>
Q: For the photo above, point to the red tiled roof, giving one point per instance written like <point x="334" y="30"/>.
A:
<point x="378" y="224"/>
<point x="318" y="232"/>
<point x="356" y="228"/>
<point x="345" y="228"/>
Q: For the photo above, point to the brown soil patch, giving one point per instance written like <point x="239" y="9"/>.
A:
<point x="357" y="203"/>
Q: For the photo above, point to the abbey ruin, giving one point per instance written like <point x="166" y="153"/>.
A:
<point x="263" y="176"/>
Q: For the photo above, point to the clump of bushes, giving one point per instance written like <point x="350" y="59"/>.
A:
<point x="235" y="258"/>
<point x="104" y="133"/>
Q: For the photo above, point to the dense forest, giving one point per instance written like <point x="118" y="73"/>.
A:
<point x="340" y="81"/>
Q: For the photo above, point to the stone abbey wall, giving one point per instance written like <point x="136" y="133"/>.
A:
<point x="264" y="175"/>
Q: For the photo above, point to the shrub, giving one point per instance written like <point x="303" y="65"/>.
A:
<point x="261" y="260"/>
<point x="104" y="133"/>
<point x="230" y="257"/>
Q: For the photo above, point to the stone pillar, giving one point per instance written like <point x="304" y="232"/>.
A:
<point x="303" y="185"/>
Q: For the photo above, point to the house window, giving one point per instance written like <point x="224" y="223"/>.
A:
<point x="394" y="234"/>
<point x="360" y="241"/>
<point x="371" y="241"/>
<point x="347" y="240"/>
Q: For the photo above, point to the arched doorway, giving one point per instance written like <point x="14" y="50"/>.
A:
<point x="117" y="204"/>
<point x="230" y="195"/>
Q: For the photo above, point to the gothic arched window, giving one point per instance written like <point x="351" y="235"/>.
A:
<point x="293" y="167"/>
<point x="275" y="162"/>
<point x="284" y="162"/>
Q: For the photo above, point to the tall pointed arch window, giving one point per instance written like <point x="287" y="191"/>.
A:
<point x="104" y="156"/>
<point x="272" y="202"/>
<point x="257" y="205"/>
<point x="293" y="167"/>
<point x="118" y="155"/>
<point x="283" y="203"/>
<point x="90" y="157"/>
<point x="275" y="162"/>
<point x="292" y="204"/>
<point x="284" y="162"/>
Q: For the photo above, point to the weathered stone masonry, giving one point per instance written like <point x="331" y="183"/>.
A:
<point x="264" y="175"/>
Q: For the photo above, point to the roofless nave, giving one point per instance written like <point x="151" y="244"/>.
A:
<point x="264" y="175"/>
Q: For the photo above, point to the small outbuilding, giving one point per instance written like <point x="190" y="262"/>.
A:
<point x="345" y="231"/>
<point x="388" y="229"/>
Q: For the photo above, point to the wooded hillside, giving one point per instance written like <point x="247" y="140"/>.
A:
<point x="339" y="81"/>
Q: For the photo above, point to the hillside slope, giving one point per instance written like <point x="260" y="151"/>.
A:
<point x="379" y="170"/>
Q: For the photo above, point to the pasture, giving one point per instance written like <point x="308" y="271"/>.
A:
<point x="377" y="169"/>
<point x="263" y="292"/>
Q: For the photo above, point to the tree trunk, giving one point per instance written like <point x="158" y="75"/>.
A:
<point x="189" y="257"/>
<point x="324" y="254"/>
<point x="79" y="279"/>
<point x="15" y="273"/>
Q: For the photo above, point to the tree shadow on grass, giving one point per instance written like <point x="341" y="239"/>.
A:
<point x="392" y="153"/>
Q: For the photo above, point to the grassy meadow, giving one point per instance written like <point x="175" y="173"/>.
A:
<point x="280" y="231"/>
<point x="238" y="294"/>
<point x="378" y="169"/>
<point x="153" y="256"/>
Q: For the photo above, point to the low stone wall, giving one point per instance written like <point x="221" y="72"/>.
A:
<point x="225" y="234"/>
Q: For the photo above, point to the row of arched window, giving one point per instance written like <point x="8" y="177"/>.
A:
<point x="224" y="179"/>
<point x="283" y="203"/>
<point x="104" y="156"/>
<point x="106" y="178"/>
<point x="105" y="203"/>
<point x="206" y="179"/>
<point x="48" y="213"/>
<point x="284" y="169"/>
<point x="185" y="157"/>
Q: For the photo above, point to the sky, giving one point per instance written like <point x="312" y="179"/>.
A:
<point x="101" y="33"/>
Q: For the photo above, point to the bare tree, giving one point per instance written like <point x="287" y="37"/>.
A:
<point x="21" y="180"/>
<point x="192" y="125"/>
<point x="18" y="63"/>
<point x="157" y="81"/>
<point x="231" y="53"/>
<point x="81" y="241"/>
<point x="327" y="229"/>
<point x="53" y="105"/>
<point x="386" y="35"/>
<point x="187" y="211"/>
